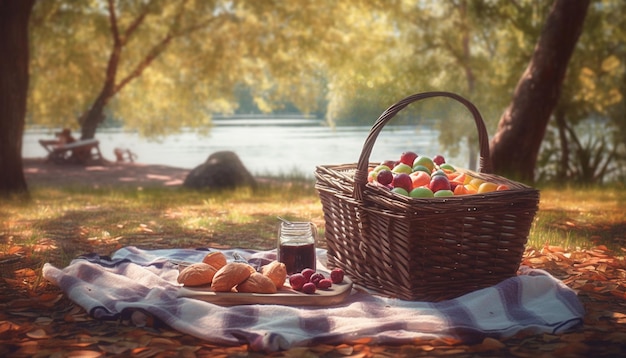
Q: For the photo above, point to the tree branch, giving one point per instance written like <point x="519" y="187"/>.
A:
<point x="157" y="49"/>
<point x="113" y="21"/>
<point x="135" y="24"/>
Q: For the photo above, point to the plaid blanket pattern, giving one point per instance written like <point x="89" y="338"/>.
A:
<point x="136" y="283"/>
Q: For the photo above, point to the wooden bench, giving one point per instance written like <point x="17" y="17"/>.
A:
<point x="79" y="151"/>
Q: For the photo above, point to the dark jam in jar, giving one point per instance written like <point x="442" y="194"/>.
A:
<point x="297" y="257"/>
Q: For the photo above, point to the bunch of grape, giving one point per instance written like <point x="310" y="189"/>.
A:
<point x="308" y="281"/>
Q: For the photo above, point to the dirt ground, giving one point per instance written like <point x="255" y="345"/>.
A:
<point x="38" y="171"/>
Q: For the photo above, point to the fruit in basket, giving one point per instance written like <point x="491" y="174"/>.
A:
<point x="460" y="190"/>
<point x="408" y="158"/>
<point x="425" y="161"/>
<point x="389" y="163"/>
<point x="384" y="177"/>
<point x="402" y="168"/>
<point x="421" y="168"/>
<point x="336" y="275"/>
<point x="257" y="283"/>
<point x="443" y="193"/>
<point x="197" y="274"/>
<point x="371" y="176"/>
<point x="400" y="191"/>
<point x="487" y="187"/>
<point x="419" y="179"/>
<point x="421" y="192"/>
<point x="447" y="168"/>
<point x="380" y="167"/>
<point x="434" y="174"/>
<point x="438" y="172"/>
<point x="475" y="182"/>
<point x="403" y="181"/>
<point x="439" y="182"/>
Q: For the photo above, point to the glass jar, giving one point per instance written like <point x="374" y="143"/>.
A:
<point x="296" y="245"/>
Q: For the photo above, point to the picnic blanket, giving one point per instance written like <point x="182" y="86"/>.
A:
<point x="133" y="280"/>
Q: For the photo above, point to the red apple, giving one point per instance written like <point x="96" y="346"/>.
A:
<point x="439" y="159"/>
<point x="384" y="177"/>
<point x="439" y="182"/>
<point x="403" y="181"/>
<point x="408" y="158"/>
<point x="389" y="163"/>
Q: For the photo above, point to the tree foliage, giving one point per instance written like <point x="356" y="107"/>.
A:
<point x="179" y="61"/>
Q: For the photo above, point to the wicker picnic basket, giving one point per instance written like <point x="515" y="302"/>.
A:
<point x="426" y="249"/>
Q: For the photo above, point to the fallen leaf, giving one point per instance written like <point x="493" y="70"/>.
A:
<point x="488" y="344"/>
<point x="37" y="334"/>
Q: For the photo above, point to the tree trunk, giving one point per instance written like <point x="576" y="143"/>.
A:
<point x="91" y="119"/>
<point x="14" y="17"/>
<point x="515" y="146"/>
<point x="563" y="168"/>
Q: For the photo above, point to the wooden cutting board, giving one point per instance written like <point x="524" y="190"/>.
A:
<point x="285" y="296"/>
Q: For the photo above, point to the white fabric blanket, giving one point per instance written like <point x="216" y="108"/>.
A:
<point x="135" y="280"/>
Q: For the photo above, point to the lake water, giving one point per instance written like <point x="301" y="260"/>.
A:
<point x="265" y="146"/>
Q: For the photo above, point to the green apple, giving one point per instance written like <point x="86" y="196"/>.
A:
<point x="421" y="168"/>
<point x="421" y="192"/>
<point x="443" y="193"/>
<point x="447" y="167"/>
<point x="425" y="161"/>
<point x="402" y="168"/>
<point x="400" y="191"/>
<point x="380" y="167"/>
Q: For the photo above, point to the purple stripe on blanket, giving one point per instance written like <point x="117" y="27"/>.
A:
<point x="245" y="316"/>
<point x="510" y="292"/>
<point x="316" y="325"/>
<point x="461" y="321"/>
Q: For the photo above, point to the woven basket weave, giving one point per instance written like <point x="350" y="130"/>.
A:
<point x="426" y="249"/>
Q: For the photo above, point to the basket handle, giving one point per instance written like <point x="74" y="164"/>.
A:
<point x="360" y="177"/>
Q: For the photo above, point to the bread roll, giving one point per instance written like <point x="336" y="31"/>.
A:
<point x="230" y="275"/>
<point x="216" y="259"/>
<point x="257" y="283"/>
<point x="276" y="271"/>
<point x="197" y="274"/>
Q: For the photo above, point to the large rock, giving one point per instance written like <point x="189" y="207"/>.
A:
<point x="222" y="170"/>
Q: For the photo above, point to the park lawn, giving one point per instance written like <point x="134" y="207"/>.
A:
<point x="578" y="235"/>
<point x="60" y="223"/>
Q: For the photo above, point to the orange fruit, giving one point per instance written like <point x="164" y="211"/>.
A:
<point x="460" y="190"/>
<point x="487" y="187"/>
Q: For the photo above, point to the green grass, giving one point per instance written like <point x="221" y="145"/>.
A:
<point x="60" y="223"/>
<point x="574" y="217"/>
